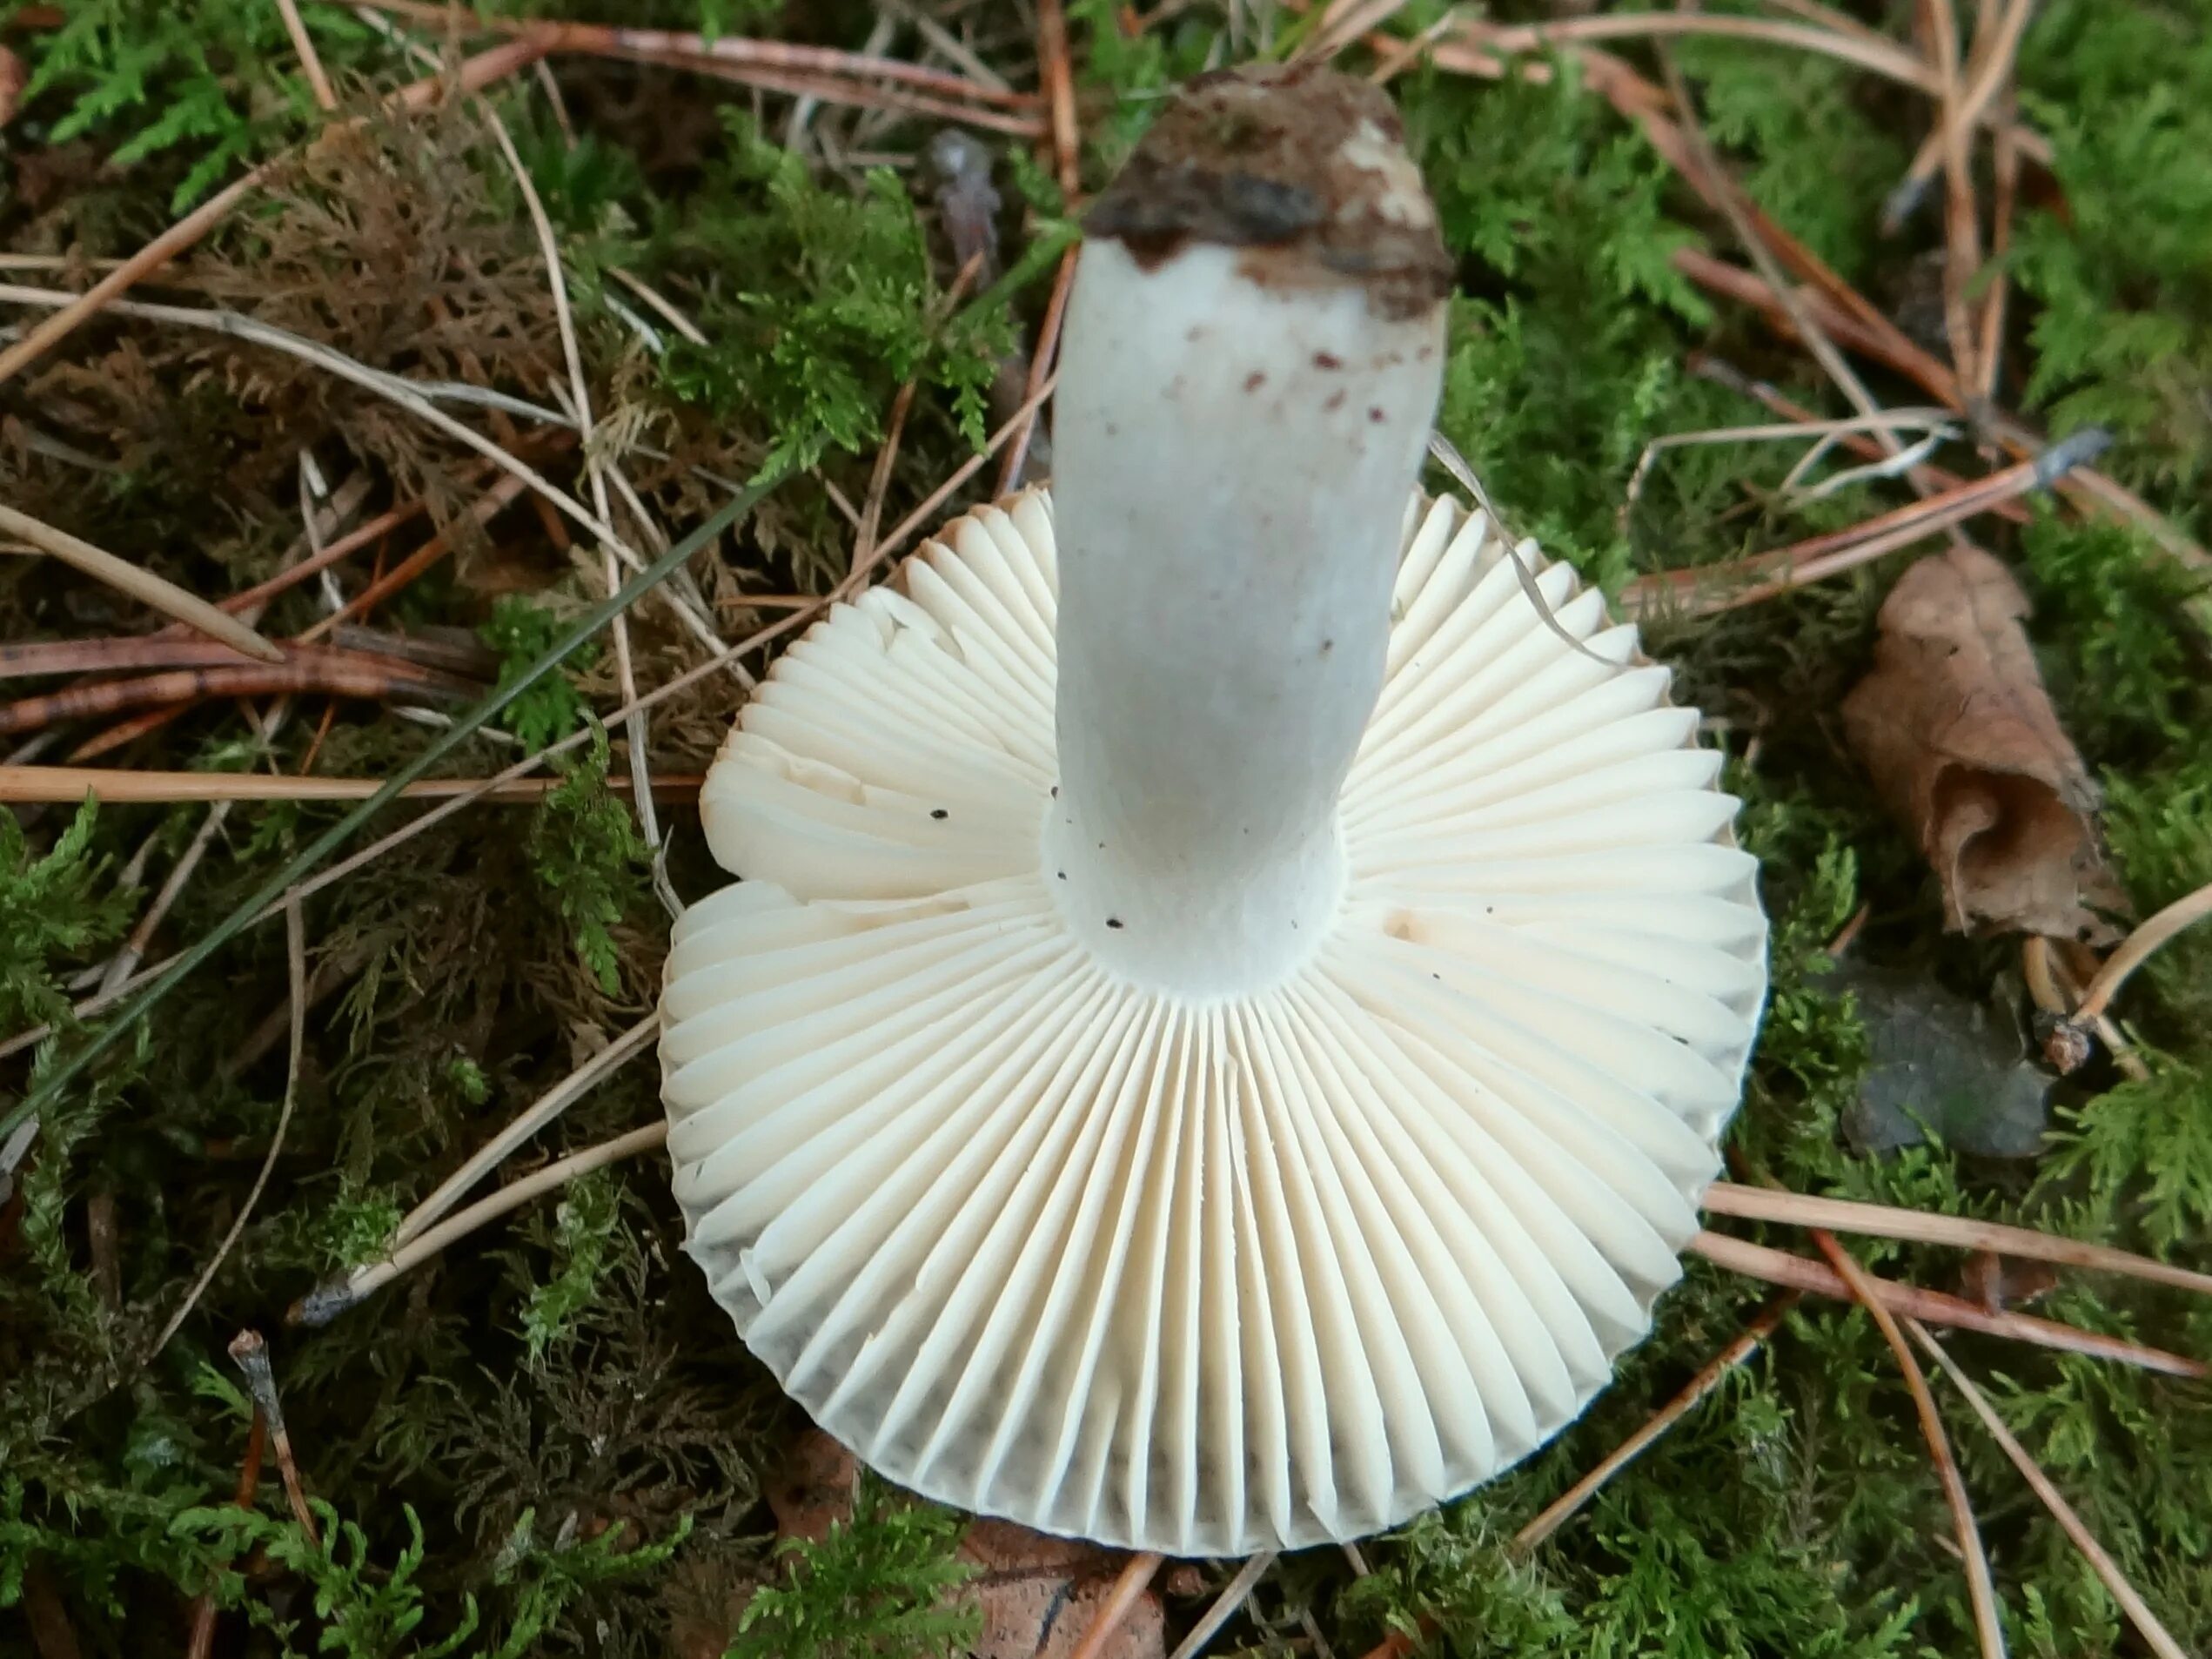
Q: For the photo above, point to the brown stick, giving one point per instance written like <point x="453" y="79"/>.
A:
<point x="133" y="653"/>
<point x="310" y="63"/>
<point x="2086" y="488"/>
<point x="1054" y="70"/>
<point x="481" y="511"/>
<point x="1040" y="364"/>
<point x="137" y="582"/>
<point x="830" y="89"/>
<point x="341" y="674"/>
<point x="2154" y="1633"/>
<point x="608" y="40"/>
<point x="202" y="1642"/>
<point x="66" y="785"/>
<point x="2137" y="947"/>
<point x="1825" y="555"/>
<point x="1961" y="232"/>
<point x="1129" y="1589"/>
<point x="1988" y="1629"/>
<point x="1781" y="1267"/>
<point x="475" y="74"/>
<point x="1747" y="1342"/>
<point x="1880" y="1221"/>
<point x="251" y="1355"/>
<point x="1991" y="67"/>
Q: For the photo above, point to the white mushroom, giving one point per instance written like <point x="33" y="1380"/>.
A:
<point x="1229" y="1013"/>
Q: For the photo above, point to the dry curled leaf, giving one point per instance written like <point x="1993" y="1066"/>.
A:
<point x="1954" y="726"/>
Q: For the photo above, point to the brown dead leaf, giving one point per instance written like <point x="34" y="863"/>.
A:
<point x="1954" y="726"/>
<point x="1038" y="1593"/>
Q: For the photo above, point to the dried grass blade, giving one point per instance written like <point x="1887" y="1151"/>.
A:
<point x="321" y="1306"/>
<point x="130" y="786"/>
<point x="1880" y="1221"/>
<point x="541" y="1113"/>
<point x="139" y="584"/>
<point x="298" y="867"/>
<point x="2148" y="1624"/>
<point x="1748" y="1341"/>
<point x="1800" y="1273"/>
<point x="1989" y="1627"/>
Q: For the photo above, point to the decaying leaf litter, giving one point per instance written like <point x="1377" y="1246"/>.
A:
<point x="539" y="1435"/>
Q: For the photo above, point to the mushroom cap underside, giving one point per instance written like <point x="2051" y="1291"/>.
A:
<point x="1207" y="1277"/>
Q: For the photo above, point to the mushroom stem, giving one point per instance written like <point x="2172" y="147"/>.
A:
<point x="1242" y="414"/>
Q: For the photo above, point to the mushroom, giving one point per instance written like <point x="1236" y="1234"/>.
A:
<point x="1240" y="970"/>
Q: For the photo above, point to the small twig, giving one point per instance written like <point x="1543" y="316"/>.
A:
<point x="2005" y="170"/>
<point x="2148" y="1625"/>
<point x="125" y="962"/>
<point x="1961" y="231"/>
<point x="2086" y="488"/>
<point x="732" y="51"/>
<point x="256" y="1436"/>
<point x="1041" y="365"/>
<point x="1059" y="81"/>
<point x="1224" y="1606"/>
<point x="896" y="537"/>
<point x="1752" y="231"/>
<point x="321" y="1306"/>
<point x="579" y="395"/>
<point x="1715" y="1370"/>
<point x="1916" y="1226"/>
<point x="1721" y="372"/>
<point x="118" y="653"/>
<point x="296" y="969"/>
<point x="1980" y="1592"/>
<point x="1877" y="56"/>
<point x="67" y="785"/>
<point x="480" y="513"/>
<point x="830" y="89"/>
<point x="138" y="583"/>
<point x="470" y="76"/>
<point x="1824" y="434"/>
<point x="1121" y="1601"/>
<point x="2138" y="947"/>
<point x="252" y="1355"/>
<point x="1991" y="67"/>
<point x="1800" y="1273"/>
<point x="894" y="426"/>
<point x="674" y="317"/>
<point x="1817" y="557"/>
<point x="541" y="1112"/>
<point x="340" y="673"/>
<point x="310" y="63"/>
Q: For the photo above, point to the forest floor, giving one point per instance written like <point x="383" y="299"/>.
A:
<point x="416" y="335"/>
